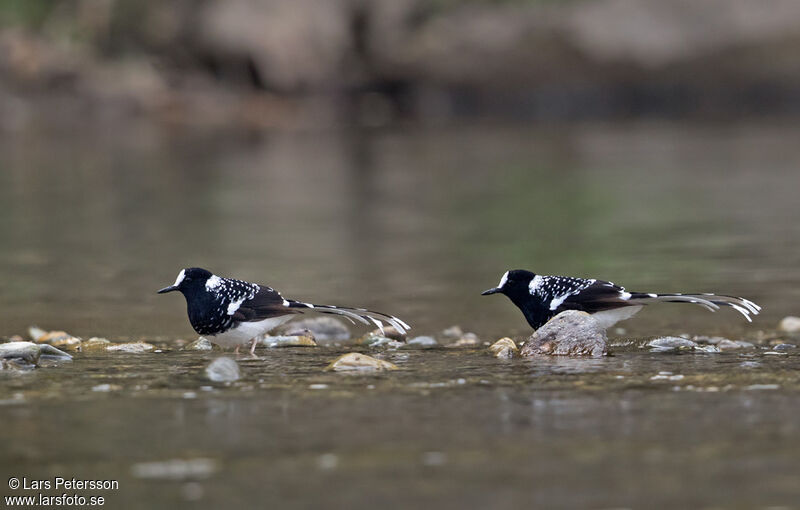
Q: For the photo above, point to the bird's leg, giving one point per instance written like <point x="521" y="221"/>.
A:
<point x="253" y="347"/>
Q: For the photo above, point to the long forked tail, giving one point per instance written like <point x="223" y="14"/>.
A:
<point x="356" y="314"/>
<point x="710" y="302"/>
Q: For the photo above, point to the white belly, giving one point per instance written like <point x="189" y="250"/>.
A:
<point x="608" y="318"/>
<point x="246" y="331"/>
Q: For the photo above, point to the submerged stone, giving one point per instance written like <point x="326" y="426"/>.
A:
<point x="570" y="333"/>
<point x="324" y="329"/>
<point x="504" y="348"/>
<point x="790" y="324"/>
<point x="223" y="369"/>
<point x="726" y="344"/>
<point x="358" y="362"/>
<point x="29" y="352"/>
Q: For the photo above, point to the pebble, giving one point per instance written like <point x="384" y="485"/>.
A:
<point x="790" y="324"/>
<point x="784" y="347"/>
<point x="201" y="344"/>
<point x="570" y="333"/>
<point x="672" y="343"/>
<point x="223" y="370"/>
<point x="318" y="386"/>
<point x="725" y="344"/>
<point x="376" y="340"/>
<point x="452" y="333"/>
<point x="355" y="361"/>
<point x="324" y="329"/>
<point x="30" y="352"/>
<point x="289" y="341"/>
<point x="95" y="344"/>
<point x="389" y="332"/>
<point x="421" y="342"/>
<point x="60" y="339"/>
<point x="504" y="348"/>
<point x="131" y="348"/>
<point x="466" y="340"/>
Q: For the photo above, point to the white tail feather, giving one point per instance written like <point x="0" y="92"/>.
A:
<point x="711" y="302"/>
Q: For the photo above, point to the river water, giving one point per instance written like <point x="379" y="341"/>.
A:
<point x="414" y="222"/>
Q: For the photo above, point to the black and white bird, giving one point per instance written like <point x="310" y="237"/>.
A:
<point x="233" y="312"/>
<point x="543" y="297"/>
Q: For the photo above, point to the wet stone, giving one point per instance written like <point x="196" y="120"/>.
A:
<point x="726" y="344"/>
<point x="95" y="344"/>
<point x="466" y="340"/>
<point x="373" y="340"/>
<point x="131" y="348"/>
<point x="421" y="342"/>
<point x="223" y="369"/>
<point x="60" y="339"/>
<point x="201" y="344"/>
<point x="357" y="362"/>
<point x="29" y="353"/>
<point x="790" y="324"/>
<point x="672" y="344"/>
<point x="570" y="333"/>
<point x="452" y="334"/>
<point x="504" y="348"/>
<point x="324" y="329"/>
<point x="389" y="332"/>
<point x="289" y="341"/>
<point x="784" y="347"/>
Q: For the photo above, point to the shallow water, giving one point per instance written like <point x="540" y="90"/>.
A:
<point x="416" y="223"/>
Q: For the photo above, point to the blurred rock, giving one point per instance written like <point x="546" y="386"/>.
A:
<point x="466" y="340"/>
<point x="570" y="333"/>
<point x="726" y="344"/>
<point x="289" y="341"/>
<point x="95" y="344"/>
<point x="223" y="369"/>
<point x="201" y="344"/>
<point x="131" y="347"/>
<point x="421" y="342"/>
<point x="504" y="348"/>
<point x="451" y="334"/>
<point x="324" y="329"/>
<point x="356" y="362"/>
<point x="784" y="347"/>
<point x="389" y="332"/>
<point x="30" y="352"/>
<point x="60" y="339"/>
<point x="790" y="324"/>
<point x="678" y="344"/>
<point x="377" y="340"/>
<point x="175" y="469"/>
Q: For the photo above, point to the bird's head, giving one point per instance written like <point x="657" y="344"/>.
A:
<point x="513" y="283"/>
<point x="189" y="280"/>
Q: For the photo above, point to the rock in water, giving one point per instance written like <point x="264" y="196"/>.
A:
<point x="357" y="362"/>
<point x="131" y="348"/>
<point x="95" y="344"/>
<point x="504" y="348"/>
<point x="201" y="344"/>
<point x="672" y="343"/>
<point x="790" y="324"/>
<point x="570" y="333"/>
<point x="223" y="370"/>
<point x="30" y="352"/>
<point x="324" y="329"/>
<point x="289" y="341"/>
<point x="421" y="342"/>
<point x="60" y="339"/>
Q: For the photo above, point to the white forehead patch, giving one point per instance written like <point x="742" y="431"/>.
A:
<point x="180" y="277"/>
<point x="503" y="280"/>
<point x="535" y="283"/>
<point x="213" y="282"/>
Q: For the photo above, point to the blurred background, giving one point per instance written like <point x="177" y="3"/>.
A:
<point x="401" y="155"/>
